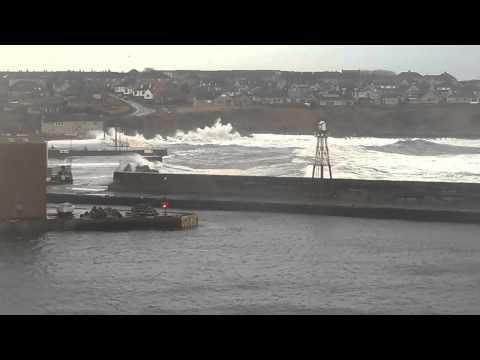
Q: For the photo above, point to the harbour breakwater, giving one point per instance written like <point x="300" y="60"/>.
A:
<point x="217" y="203"/>
<point x="413" y="200"/>
<point x="337" y="191"/>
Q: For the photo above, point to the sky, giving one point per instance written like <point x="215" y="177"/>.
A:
<point x="462" y="61"/>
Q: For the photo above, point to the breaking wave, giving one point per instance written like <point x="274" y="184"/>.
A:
<point x="218" y="133"/>
<point x="422" y="147"/>
<point x="220" y="149"/>
<point x="135" y="160"/>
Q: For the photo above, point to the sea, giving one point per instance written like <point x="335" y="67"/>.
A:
<point x="256" y="263"/>
<point x="219" y="149"/>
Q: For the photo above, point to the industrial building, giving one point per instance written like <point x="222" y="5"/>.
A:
<point x="23" y="189"/>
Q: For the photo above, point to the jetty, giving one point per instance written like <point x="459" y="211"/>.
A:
<point x="149" y="154"/>
<point x="122" y="220"/>
<point x="117" y="148"/>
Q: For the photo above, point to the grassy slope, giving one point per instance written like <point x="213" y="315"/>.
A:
<point x="402" y="121"/>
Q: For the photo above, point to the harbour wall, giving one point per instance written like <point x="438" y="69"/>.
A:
<point x="340" y="192"/>
<point x="174" y="221"/>
<point x="218" y="204"/>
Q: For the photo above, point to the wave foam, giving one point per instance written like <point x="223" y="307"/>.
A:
<point x="423" y="147"/>
<point x="136" y="160"/>
<point x="218" y="133"/>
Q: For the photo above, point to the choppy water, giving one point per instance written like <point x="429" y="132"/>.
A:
<point x="219" y="149"/>
<point x="252" y="263"/>
<point x="248" y="263"/>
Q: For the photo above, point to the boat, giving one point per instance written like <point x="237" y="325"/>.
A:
<point x="59" y="175"/>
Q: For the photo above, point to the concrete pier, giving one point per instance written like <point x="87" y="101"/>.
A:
<point x="196" y="202"/>
<point x="380" y="193"/>
<point x="412" y="200"/>
<point x="171" y="221"/>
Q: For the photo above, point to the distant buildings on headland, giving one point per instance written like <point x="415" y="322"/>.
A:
<point x="243" y="88"/>
<point x="53" y="90"/>
<point x="96" y="94"/>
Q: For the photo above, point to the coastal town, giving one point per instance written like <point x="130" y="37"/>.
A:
<point x="46" y="102"/>
<point x="148" y="191"/>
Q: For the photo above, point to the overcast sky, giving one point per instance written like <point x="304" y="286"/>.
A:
<point x="462" y="61"/>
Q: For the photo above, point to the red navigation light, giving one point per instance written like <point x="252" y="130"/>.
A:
<point x="164" y="206"/>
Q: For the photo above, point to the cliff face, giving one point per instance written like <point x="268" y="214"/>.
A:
<point x="398" y="121"/>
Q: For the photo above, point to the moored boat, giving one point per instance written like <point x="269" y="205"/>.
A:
<point x="59" y="175"/>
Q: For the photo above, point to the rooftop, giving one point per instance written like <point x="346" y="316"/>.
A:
<point x="409" y="74"/>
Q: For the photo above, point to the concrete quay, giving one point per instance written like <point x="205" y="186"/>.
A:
<point x="236" y="203"/>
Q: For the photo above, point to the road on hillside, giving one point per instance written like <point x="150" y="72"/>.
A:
<point x="140" y="110"/>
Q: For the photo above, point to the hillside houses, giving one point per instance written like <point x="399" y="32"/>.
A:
<point x="81" y="90"/>
<point x="144" y="91"/>
<point x="159" y="91"/>
<point x="348" y="87"/>
<point x="405" y="88"/>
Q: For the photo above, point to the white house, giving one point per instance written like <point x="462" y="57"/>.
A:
<point x="148" y="95"/>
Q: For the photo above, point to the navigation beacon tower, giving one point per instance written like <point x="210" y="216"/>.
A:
<point x="322" y="157"/>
